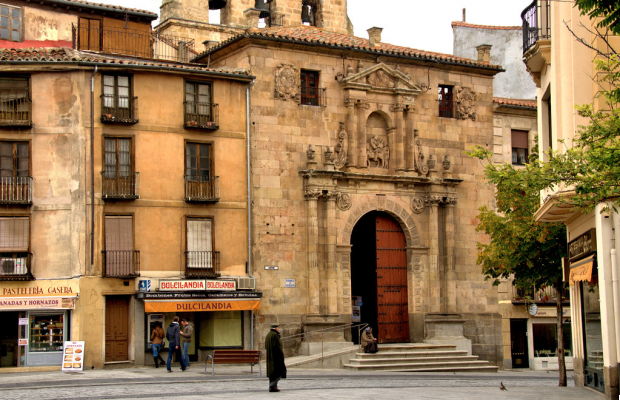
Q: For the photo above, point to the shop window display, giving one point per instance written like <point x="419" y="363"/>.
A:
<point x="221" y="329"/>
<point x="46" y="333"/>
<point x="546" y="340"/>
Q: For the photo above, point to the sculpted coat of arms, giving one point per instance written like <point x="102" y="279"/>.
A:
<point x="287" y="82"/>
<point x="466" y="103"/>
<point x="380" y="79"/>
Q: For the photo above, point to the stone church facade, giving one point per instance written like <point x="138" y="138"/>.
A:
<point x="360" y="184"/>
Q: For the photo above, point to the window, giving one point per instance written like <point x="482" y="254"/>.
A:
<point x="198" y="106"/>
<point x="519" y="147"/>
<point x="546" y="339"/>
<point x="198" y="161"/>
<point x="47" y="332"/>
<point x="200" y="243"/>
<point x="310" y="88"/>
<point x="10" y="23"/>
<point x="14" y="159"/>
<point x="446" y="105"/>
<point x="119" y="179"/>
<point x="14" y="246"/>
<point x="120" y="259"/>
<point x="118" y="105"/>
<point x="15" y="105"/>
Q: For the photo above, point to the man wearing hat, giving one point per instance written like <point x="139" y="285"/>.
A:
<point x="276" y="369"/>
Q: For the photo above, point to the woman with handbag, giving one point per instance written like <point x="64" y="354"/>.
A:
<point x="157" y="341"/>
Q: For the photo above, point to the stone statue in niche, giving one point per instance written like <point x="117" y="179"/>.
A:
<point x="380" y="79"/>
<point x="286" y="82"/>
<point x="341" y="148"/>
<point x="465" y="102"/>
<point x="378" y="153"/>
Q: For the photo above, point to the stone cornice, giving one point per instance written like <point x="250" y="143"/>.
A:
<point x="404" y="179"/>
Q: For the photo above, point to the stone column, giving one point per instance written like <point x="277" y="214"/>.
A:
<point x="391" y="145"/>
<point x="450" y="230"/>
<point x="435" y="278"/>
<point x="350" y="124"/>
<point x="330" y="249"/>
<point x="410" y="142"/>
<point x="314" y="281"/>
<point x="362" y="157"/>
<point x="398" y="151"/>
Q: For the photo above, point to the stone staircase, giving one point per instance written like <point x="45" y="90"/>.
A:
<point x="419" y="357"/>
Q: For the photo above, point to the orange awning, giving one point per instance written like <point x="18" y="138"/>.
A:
<point x="581" y="270"/>
<point x="199" y="305"/>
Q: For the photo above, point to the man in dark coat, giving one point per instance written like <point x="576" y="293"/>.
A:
<point x="276" y="369"/>
<point x="173" y="334"/>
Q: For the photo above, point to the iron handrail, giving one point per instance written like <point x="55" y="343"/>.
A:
<point x="321" y="332"/>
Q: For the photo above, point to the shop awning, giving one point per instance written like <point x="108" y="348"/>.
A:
<point x="200" y="305"/>
<point x="581" y="270"/>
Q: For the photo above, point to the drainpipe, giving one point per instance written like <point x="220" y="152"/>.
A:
<point x="92" y="170"/>
<point x="249" y="194"/>
<point x="614" y="278"/>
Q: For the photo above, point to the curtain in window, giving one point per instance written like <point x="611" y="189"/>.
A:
<point x="199" y="243"/>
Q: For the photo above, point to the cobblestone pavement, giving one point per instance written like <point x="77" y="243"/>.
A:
<point x="236" y="383"/>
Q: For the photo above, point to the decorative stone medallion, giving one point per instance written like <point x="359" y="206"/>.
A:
<point x="417" y="205"/>
<point x="287" y="82"/>
<point x="343" y="201"/>
<point x="466" y="103"/>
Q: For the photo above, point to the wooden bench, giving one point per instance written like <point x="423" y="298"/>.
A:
<point x="234" y="357"/>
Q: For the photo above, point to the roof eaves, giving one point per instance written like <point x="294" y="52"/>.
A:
<point x="106" y="8"/>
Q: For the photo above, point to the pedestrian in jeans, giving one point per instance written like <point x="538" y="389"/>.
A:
<point x="173" y="334"/>
<point x="186" y="339"/>
<point x="157" y="337"/>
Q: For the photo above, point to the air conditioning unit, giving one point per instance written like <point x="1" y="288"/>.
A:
<point x="8" y="266"/>
<point x="246" y="283"/>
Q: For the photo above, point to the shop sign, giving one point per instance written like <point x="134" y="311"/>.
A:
<point x="532" y="309"/>
<point x="73" y="357"/>
<point x="200" y="295"/>
<point x="552" y="312"/>
<point x="23" y="321"/>
<point x="198" y="306"/>
<point x="54" y="303"/>
<point x="221" y="285"/>
<point x="23" y="342"/>
<point x="40" y="290"/>
<point x="144" y="285"/>
<point x="582" y="245"/>
<point x="182" y="285"/>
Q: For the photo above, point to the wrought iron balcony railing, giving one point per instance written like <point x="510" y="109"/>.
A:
<point x="15" y="108"/>
<point x="15" y="267"/>
<point x="275" y="20"/>
<point x="16" y="190"/>
<point x="202" y="188"/>
<point x="134" y="43"/>
<point x="119" y="109"/>
<point x="202" y="264"/>
<point x="536" y="23"/>
<point x="313" y="97"/>
<point x="538" y="295"/>
<point x="201" y="115"/>
<point x="118" y="187"/>
<point x="121" y="263"/>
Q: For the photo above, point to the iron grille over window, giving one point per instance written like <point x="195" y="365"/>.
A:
<point x="15" y="104"/>
<point x="15" y="180"/>
<point x="117" y="104"/>
<point x="446" y="103"/>
<point x="519" y="147"/>
<point x="10" y="23"/>
<point x="119" y="179"/>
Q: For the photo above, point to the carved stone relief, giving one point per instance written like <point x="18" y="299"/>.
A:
<point x="466" y="103"/>
<point x="417" y="205"/>
<point x="287" y="82"/>
<point x="343" y="201"/>
<point x="341" y="148"/>
<point x="378" y="153"/>
<point x="380" y="79"/>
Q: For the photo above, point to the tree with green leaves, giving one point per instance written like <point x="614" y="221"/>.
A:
<point x="519" y="248"/>
<point x="607" y="10"/>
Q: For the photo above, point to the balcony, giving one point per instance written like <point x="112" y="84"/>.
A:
<point x="15" y="267"/>
<point x="536" y="36"/>
<point x="313" y="97"/>
<point x="121" y="263"/>
<point x="119" y="110"/>
<point x="205" y="116"/>
<point x="202" y="264"/>
<point x="15" y="109"/>
<point x="132" y="42"/>
<point x="202" y="189"/>
<point x="16" y="190"/>
<point x="275" y="20"/>
<point x="116" y="187"/>
<point x="546" y="295"/>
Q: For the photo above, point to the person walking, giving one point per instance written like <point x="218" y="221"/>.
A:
<point x="173" y="334"/>
<point x="186" y="339"/>
<point x="157" y="339"/>
<point x="276" y="369"/>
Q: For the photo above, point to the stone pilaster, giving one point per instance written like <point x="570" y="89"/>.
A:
<point x="350" y="124"/>
<point x="330" y="249"/>
<point x="450" y="230"/>
<point x="435" y="276"/>
<point x="391" y="133"/>
<point x="410" y="142"/>
<point x="362" y="156"/>
<point x="314" y="280"/>
<point x="398" y="151"/>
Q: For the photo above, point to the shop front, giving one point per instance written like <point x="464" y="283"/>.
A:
<point x="543" y="338"/>
<point x="36" y="321"/>
<point x="220" y="313"/>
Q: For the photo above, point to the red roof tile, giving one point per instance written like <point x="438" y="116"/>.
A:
<point x="67" y="55"/>
<point x="503" y="101"/>
<point x="467" y="25"/>
<point x="111" y="7"/>
<point x="310" y="34"/>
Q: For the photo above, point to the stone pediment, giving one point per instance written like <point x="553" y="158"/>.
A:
<point x="383" y="79"/>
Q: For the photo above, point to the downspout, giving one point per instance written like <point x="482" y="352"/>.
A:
<point x="92" y="170"/>
<point x="614" y="279"/>
<point x="249" y="194"/>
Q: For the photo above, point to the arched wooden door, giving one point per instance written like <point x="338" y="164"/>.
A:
<point x="392" y="306"/>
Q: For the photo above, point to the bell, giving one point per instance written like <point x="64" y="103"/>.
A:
<point x="216" y="4"/>
<point x="260" y="5"/>
<point x="305" y="15"/>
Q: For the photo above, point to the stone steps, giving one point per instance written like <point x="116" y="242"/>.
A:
<point x="419" y="358"/>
